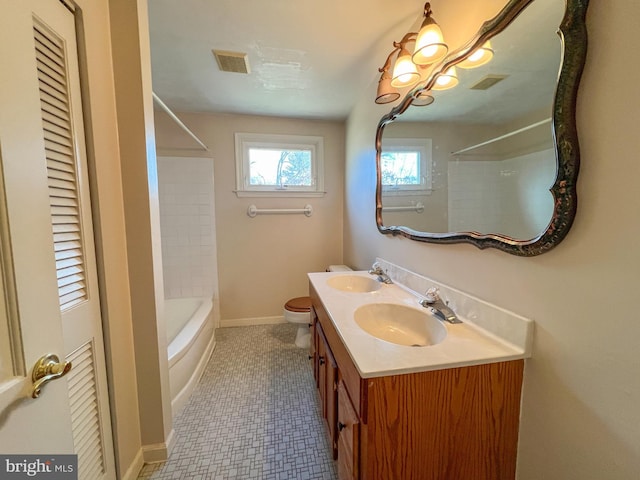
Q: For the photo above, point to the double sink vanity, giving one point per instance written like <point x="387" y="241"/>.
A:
<point x="406" y="392"/>
<point x="407" y="395"/>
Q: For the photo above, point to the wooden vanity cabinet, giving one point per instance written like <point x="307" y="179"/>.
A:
<point x="327" y="381"/>
<point x="456" y="423"/>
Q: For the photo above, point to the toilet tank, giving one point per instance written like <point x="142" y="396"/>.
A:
<point x="338" y="268"/>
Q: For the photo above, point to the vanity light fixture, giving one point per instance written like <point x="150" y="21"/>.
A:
<point x="481" y="56"/>
<point x="386" y="93"/>
<point x="423" y="99"/>
<point x="405" y="72"/>
<point x="446" y="80"/>
<point x="429" y="48"/>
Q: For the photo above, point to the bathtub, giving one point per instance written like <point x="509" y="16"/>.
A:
<point x="190" y="338"/>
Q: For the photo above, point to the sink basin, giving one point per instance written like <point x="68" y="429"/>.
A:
<point x="400" y="324"/>
<point x="354" y="283"/>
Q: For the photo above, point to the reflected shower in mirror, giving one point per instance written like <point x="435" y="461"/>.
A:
<point x="480" y="163"/>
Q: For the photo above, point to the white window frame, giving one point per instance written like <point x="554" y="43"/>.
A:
<point x="423" y="145"/>
<point x="245" y="141"/>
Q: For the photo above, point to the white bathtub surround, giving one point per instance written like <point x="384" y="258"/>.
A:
<point x="476" y="341"/>
<point x="187" y="220"/>
<point x="178" y="312"/>
<point x="190" y="332"/>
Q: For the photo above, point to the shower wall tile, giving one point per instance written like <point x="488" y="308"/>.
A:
<point x="187" y="222"/>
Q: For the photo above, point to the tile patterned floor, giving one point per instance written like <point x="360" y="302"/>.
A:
<point x="254" y="415"/>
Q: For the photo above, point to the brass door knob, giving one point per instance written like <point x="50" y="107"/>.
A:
<point x="47" y="368"/>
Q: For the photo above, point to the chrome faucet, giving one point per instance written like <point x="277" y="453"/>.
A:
<point x="376" y="269"/>
<point x="438" y="307"/>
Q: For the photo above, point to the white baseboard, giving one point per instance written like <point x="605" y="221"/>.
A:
<point x="134" y="469"/>
<point x="159" y="452"/>
<point x="246" y="322"/>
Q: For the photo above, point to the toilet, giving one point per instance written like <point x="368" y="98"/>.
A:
<point x="297" y="310"/>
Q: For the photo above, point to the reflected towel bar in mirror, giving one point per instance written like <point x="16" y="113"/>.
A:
<point x="418" y="207"/>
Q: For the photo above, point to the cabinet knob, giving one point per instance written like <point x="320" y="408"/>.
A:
<point x="321" y="360"/>
<point x="341" y="426"/>
<point x="310" y="357"/>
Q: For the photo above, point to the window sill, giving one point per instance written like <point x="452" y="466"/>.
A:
<point x="406" y="193"/>
<point x="280" y="194"/>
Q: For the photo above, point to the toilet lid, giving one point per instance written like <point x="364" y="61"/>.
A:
<point x="298" y="304"/>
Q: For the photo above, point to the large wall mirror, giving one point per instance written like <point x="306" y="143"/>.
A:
<point x="493" y="161"/>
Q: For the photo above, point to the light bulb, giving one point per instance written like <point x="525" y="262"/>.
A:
<point x="405" y="72"/>
<point x="446" y="80"/>
<point x="479" y="57"/>
<point x="430" y="46"/>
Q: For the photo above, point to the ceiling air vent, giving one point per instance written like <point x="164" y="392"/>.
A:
<point x="236" y="62"/>
<point x="488" y="82"/>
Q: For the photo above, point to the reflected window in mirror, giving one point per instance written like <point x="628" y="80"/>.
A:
<point x="406" y="166"/>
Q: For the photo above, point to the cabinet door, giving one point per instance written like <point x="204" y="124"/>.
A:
<point x="348" y="437"/>
<point x="313" y="358"/>
<point x="322" y="369"/>
<point x="331" y="402"/>
<point x="327" y="384"/>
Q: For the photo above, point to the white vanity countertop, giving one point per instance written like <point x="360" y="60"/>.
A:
<point x="465" y="344"/>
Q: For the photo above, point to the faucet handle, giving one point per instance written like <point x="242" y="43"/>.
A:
<point x="432" y="295"/>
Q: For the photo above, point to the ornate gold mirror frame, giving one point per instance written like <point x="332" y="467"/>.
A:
<point x="573" y="38"/>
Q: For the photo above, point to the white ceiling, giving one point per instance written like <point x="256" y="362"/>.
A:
<point x="308" y="59"/>
<point x="313" y="59"/>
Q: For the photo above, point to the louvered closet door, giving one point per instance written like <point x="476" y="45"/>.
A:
<point x="62" y="172"/>
<point x="65" y="152"/>
<point x="50" y="232"/>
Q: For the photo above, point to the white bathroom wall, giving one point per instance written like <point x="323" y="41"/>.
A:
<point x="263" y="261"/>
<point x="187" y="221"/>
<point x="530" y="176"/>
<point x="580" y="418"/>
<point x="134" y="104"/>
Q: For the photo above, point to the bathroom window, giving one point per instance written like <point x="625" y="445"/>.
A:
<point x="279" y="165"/>
<point x="406" y="165"/>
